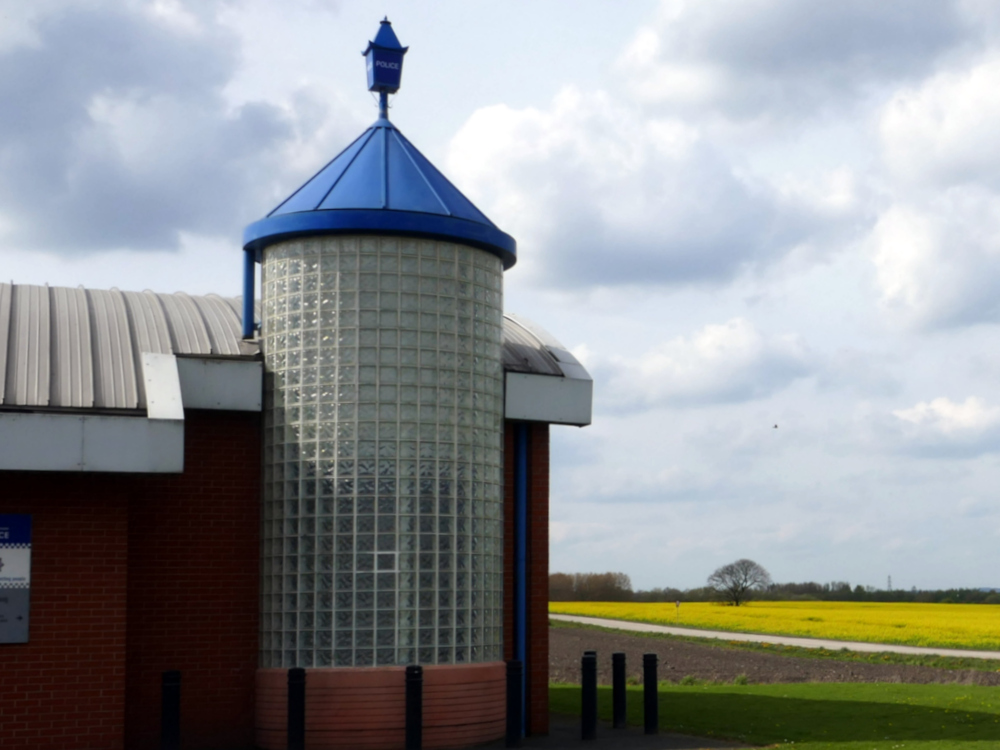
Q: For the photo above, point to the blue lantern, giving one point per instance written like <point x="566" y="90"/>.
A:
<point x="385" y="60"/>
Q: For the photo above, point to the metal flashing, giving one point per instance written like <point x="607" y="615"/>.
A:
<point x="227" y="384"/>
<point x="73" y="442"/>
<point x="544" y="398"/>
<point x="163" y="386"/>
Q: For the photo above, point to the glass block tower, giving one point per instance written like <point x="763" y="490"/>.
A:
<point x="382" y="299"/>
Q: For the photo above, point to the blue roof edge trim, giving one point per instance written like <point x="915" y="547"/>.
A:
<point x="272" y="229"/>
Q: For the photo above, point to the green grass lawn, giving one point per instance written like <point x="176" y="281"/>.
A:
<point x="819" y="716"/>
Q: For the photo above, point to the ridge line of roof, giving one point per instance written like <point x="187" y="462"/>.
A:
<point x="405" y="145"/>
<point x="320" y="171"/>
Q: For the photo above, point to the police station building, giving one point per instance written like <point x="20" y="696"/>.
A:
<point x="348" y="475"/>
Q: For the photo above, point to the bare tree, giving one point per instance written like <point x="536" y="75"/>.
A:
<point x="737" y="581"/>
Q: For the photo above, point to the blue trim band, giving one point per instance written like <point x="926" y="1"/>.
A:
<point x="273" y="229"/>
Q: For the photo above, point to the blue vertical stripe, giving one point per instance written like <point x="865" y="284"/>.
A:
<point x="249" y="269"/>
<point x="521" y="560"/>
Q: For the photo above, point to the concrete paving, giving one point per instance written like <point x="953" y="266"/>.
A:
<point x="564" y="734"/>
<point x="784" y="640"/>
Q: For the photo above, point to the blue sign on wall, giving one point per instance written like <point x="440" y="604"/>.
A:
<point x="15" y="577"/>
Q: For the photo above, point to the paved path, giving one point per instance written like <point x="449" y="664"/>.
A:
<point x="564" y="734"/>
<point x="784" y="640"/>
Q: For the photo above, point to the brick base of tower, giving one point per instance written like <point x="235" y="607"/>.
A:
<point x="364" y="708"/>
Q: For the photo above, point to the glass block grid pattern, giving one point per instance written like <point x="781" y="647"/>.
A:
<point x="382" y="509"/>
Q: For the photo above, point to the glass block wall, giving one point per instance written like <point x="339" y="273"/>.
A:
<point x="382" y="507"/>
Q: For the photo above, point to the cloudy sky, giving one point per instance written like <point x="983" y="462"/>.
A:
<point x="738" y="213"/>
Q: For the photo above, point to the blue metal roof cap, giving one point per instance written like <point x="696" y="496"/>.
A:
<point x="380" y="184"/>
<point x="386" y="38"/>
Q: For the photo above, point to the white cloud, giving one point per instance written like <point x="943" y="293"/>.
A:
<point x="950" y="428"/>
<point x="936" y="247"/>
<point x="943" y="132"/>
<point x="951" y="419"/>
<point x="938" y="262"/>
<point x="118" y="133"/>
<point x="723" y="363"/>
<point x="780" y="58"/>
<point x="599" y="195"/>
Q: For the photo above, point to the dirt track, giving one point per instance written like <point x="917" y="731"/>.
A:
<point x="678" y="659"/>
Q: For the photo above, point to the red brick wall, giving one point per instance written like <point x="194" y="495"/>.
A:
<point x="193" y="586"/>
<point x="177" y="554"/>
<point x="537" y="680"/>
<point x="65" y="688"/>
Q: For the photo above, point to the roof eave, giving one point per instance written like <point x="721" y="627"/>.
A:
<point x="272" y="229"/>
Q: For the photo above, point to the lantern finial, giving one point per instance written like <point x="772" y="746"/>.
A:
<point x="384" y="58"/>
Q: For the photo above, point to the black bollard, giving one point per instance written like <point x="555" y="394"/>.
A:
<point x="650" y="703"/>
<point x="588" y="696"/>
<point x="297" y="709"/>
<point x="515" y="703"/>
<point x="414" y="707"/>
<point x="618" y="690"/>
<point x="170" y="710"/>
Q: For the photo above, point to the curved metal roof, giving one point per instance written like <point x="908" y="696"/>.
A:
<point x="82" y="348"/>
<point x="381" y="184"/>
<point x="529" y="348"/>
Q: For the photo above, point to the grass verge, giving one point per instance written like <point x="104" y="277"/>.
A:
<point x="818" y="716"/>
<point x="881" y="657"/>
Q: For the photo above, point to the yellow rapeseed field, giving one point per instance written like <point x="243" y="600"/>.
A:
<point x="971" y="626"/>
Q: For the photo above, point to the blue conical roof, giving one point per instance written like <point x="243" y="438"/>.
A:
<point x="381" y="184"/>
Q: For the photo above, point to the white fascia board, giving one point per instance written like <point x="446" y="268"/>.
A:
<point x="163" y="386"/>
<point x="548" y="398"/>
<point x="74" y="442"/>
<point x="230" y="385"/>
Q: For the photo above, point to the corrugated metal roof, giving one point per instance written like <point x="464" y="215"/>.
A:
<point x="148" y="323"/>
<point x="81" y="348"/>
<point x="6" y="292"/>
<point x="28" y="350"/>
<point x="188" y="334"/>
<point x="523" y="352"/>
<point x="73" y="381"/>
<point x="223" y="327"/>
<point x="114" y="361"/>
